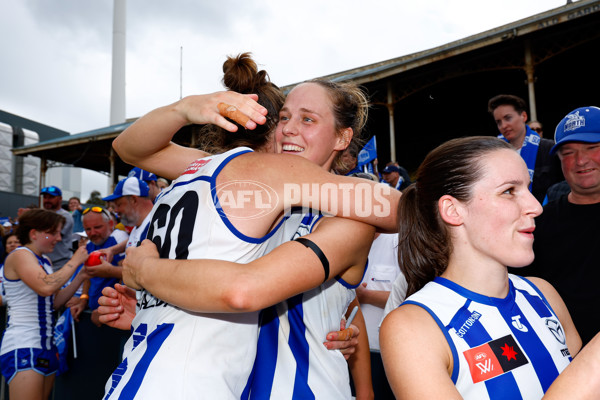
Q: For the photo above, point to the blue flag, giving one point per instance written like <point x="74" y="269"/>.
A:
<point x="62" y="337"/>
<point x="368" y="153"/>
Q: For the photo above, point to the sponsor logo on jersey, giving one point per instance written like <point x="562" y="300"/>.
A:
<point x="516" y="322"/>
<point x="42" y="363"/>
<point x="556" y="329"/>
<point x="494" y="358"/>
<point x="381" y="280"/>
<point x="464" y="328"/>
<point x="196" y="165"/>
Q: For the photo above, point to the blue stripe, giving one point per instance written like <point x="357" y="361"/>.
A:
<point x="153" y="342"/>
<point x="477" y="336"/>
<point x="503" y="387"/>
<point x="531" y="344"/>
<point x="44" y="308"/>
<point x="349" y="285"/>
<point x="42" y="322"/>
<point x="299" y="347"/>
<point x="263" y="371"/>
<point x="116" y="377"/>
<point x="539" y="293"/>
<point x="537" y="304"/>
<point x="144" y="233"/>
<point x="306" y="219"/>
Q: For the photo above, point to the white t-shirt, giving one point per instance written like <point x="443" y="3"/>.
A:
<point x="381" y="272"/>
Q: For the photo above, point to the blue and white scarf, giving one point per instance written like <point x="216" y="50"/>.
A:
<point x="529" y="150"/>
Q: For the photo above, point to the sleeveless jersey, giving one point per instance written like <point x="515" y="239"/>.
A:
<point x="175" y="354"/>
<point x="30" y="316"/>
<point x="291" y="361"/>
<point x="511" y="348"/>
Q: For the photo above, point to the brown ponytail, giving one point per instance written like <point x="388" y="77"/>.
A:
<point x="453" y="168"/>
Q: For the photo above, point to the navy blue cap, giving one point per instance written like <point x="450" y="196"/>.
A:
<point x="390" y="168"/>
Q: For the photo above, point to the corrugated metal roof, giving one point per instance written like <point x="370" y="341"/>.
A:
<point x="109" y="132"/>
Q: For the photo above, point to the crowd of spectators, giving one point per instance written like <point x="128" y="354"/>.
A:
<point x="94" y="350"/>
<point x="565" y="176"/>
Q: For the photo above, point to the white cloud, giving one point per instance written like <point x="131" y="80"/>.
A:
<point x="56" y="56"/>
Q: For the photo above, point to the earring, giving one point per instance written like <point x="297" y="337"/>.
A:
<point x="46" y="237"/>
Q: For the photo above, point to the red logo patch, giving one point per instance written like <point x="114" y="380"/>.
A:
<point x="196" y="165"/>
<point x="494" y="358"/>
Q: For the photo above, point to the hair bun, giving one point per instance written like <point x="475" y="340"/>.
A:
<point x="241" y="74"/>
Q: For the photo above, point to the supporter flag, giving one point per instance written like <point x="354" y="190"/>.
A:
<point x="368" y="153"/>
<point x="366" y="156"/>
<point x="62" y="331"/>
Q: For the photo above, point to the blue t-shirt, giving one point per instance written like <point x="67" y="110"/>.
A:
<point x="98" y="283"/>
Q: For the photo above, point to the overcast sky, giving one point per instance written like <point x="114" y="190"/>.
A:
<point x="55" y="63"/>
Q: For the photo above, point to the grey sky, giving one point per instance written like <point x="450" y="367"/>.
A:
<point x="55" y="66"/>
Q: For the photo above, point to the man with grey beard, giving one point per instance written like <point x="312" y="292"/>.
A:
<point x="132" y="202"/>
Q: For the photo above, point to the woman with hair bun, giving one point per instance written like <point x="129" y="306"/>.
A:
<point x="469" y="329"/>
<point x="206" y="252"/>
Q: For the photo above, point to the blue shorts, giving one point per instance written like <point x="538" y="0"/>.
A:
<point x="43" y="362"/>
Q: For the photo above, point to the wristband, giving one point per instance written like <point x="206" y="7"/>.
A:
<point x="84" y="296"/>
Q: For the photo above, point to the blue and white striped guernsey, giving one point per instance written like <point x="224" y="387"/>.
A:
<point x="30" y="316"/>
<point x="175" y="354"/>
<point x="291" y="360"/>
<point x="511" y="348"/>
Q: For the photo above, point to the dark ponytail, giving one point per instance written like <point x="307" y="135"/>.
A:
<point x="424" y="244"/>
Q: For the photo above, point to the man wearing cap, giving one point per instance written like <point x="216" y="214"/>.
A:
<point x="567" y="234"/>
<point x="509" y="113"/>
<point x="396" y="176"/>
<point x="149" y="178"/>
<point x="99" y="347"/>
<point x="133" y="204"/>
<point x="52" y="200"/>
